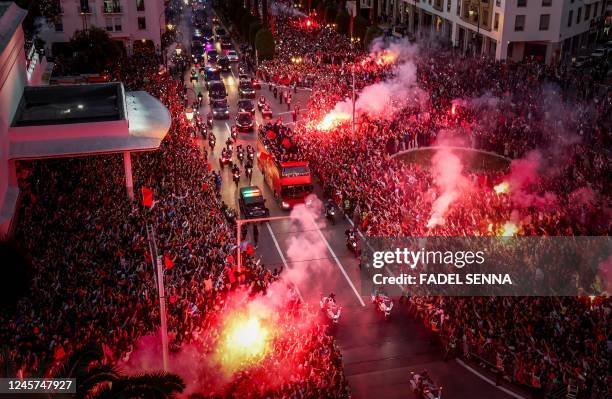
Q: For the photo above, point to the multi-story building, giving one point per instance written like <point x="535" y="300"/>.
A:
<point x="42" y="121"/>
<point x="505" y="29"/>
<point x="130" y="22"/>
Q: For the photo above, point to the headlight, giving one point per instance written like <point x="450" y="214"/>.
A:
<point x="284" y="204"/>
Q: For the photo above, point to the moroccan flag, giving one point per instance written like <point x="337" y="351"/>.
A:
<point x="147" y="197"/>
<point x="168" y="262"/>
<point x="208" y="284"/>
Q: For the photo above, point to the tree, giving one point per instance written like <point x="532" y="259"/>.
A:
<point x="97" y="380"/>
<point x="264" y="43"/>
<point x="330" y="13"/>
<point x="343" y="20"/>
<point x="253" y="29"/>
<point x="372" y="33"/>
<point x="264" y="12"/>
<point x="93" y="50"/>
<point x="360" y="25"/>
<point x="245" y="23"/>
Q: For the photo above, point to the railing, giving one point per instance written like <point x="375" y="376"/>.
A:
<point x="109" y="8"/>
<point x="83" y="9"/>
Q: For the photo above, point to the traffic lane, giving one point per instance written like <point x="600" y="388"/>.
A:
<point x="310" y="264"/>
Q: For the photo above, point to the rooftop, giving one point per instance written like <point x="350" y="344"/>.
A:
<point x="54" y="105"/>
<point x="76" y="120"/>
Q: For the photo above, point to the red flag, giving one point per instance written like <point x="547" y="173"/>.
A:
<point x="168" y="262"/>
<point x="208" y="284"/>
<point x="249" y="249"/>
<point x="286" y="143"/>
<point x="271" y="134"/>
<point x="147" y="197"/>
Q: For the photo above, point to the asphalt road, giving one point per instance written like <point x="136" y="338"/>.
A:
<point x="378" y="355"/>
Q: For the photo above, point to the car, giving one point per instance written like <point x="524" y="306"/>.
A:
<point x="232" y="55"/>
<point x="212" y="55"/>
<point x="244" y="122"/>
<point x="245" y="89"/>
<point x="246" y="106"/>
<point x="252" y="203"/>
<point x="243" y="76"/>
<point x="216" y="90"/>
<point x="220" y="109"/>
<point x="581" y="61"/>
<point x="211" y="74"/>
<point x="224" y="64"/>
<point x="256" y="83"/>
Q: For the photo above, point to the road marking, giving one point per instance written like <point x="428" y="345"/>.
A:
<point x="285" y="113"/>
<point x="229" y="130"/>
<point x="331" y="251"/>
<point x="283" y="258"/>
<point x="491" y="382"/>
<point x="372" y="249"/>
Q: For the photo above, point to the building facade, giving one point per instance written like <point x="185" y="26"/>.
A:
<point x="549" y="30"/>
<point x="131" y="22"/>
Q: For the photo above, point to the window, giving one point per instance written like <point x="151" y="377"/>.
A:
<point x="544" y="21"/>
<point x="140" y="5"/>
<point x="570" y="17"/>
<point x="118" y="26"/>
<point x="546" y="3"/>
<point x="496" y="21"/>
<point x="587" y="12"/>
<point x="142" y="23"/>
<point x="84" y="5"/>
<point x="519" y="23"/>
<point x="595" y="8"/>
<point x="448" y="6"/>
<point x="521" y="3"/>
<point x="109" y="24"/>
<point x="498" y="3"/>
<point x="603" y="6"/>
<point x="579" y="15"/>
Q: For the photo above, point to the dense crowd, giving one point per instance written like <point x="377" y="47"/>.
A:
<point x="508" y="109"/>
<point x="94" y="275"/>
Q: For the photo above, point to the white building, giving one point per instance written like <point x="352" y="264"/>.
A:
<point x="131" y="22"/>
<point x="40" y="122"/>
<point x="504" y="29"/>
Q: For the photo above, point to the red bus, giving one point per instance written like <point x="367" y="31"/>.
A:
<point x="290" y="181"/>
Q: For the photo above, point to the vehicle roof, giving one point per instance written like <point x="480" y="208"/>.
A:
<point x="251" y="192"/>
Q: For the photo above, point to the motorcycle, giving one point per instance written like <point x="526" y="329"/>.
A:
<point x="330" y="213"/>
<point x="351" y="244"/>
<point x="209" y="120"/>
<point x="250" y="153"/>
<point x="240" y="156"/>
<point x="423" y="386"/>
<point x="226" y="158"/>
<point x="236" y="177"/>
<point x="330" y="309"/>
<point x="383" y="304"/>
<point x="234" y="133"/>
<point x="249" y="174"/>
<point x="266" y="112"/>
<point x="261" y="103"/>
<point x="212" y="140"/>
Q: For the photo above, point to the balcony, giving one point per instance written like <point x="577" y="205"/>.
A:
<point x="438" y="5"/>
<point x="110" y="8"/>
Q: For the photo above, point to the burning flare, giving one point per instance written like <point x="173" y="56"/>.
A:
<point x="502" y="188"/>
<point x="245" y="341"/>
<point x="509" y="229"/>
<point x="333" y="119"/>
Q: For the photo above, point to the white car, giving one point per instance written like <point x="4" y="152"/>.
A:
<point x="232" y="55"/>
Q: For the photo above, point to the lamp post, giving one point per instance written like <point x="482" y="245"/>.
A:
<point x="156" y="261"/>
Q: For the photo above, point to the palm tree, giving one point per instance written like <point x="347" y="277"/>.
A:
<point x="256" y="8"/>
<point x="264" y="13"/>
<point x="97" y="380"/>
<point x="374" y="12"/>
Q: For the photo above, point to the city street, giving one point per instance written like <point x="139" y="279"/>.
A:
<point x="378" y="355"/>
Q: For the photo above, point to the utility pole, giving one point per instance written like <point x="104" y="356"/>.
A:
<point x="157" y="266"/>
<point x="240" y="222"/>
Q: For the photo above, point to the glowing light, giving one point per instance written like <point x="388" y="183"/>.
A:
<point x="502" y="188"/>
<point x="453" y="109"/>
<point x="509" y="229"/>
<point x="333" y="119"/>
<point x="245" y="341"/>
<point x="386" y="58"/>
